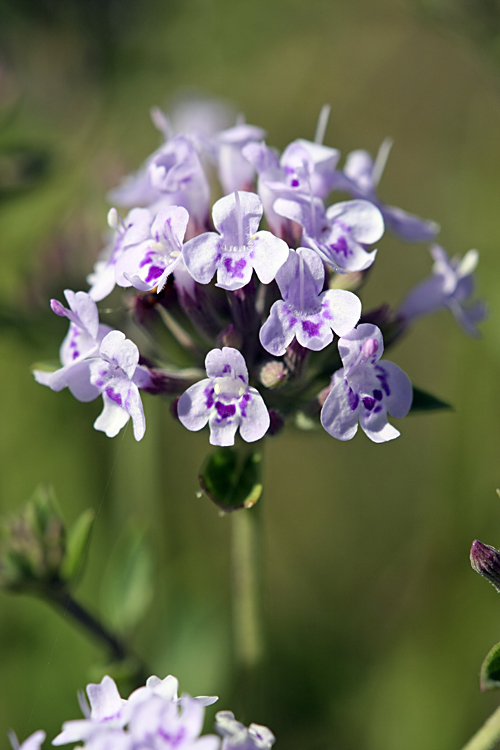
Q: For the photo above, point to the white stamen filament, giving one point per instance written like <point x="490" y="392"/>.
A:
<point x="301" y="281"/>
<point x="322" y="125"/>
<point x="381" y="160"/>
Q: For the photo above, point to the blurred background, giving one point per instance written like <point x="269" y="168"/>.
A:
<point x="377" y="625"/>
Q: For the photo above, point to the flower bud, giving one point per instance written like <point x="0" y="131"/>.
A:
<point x="273" y="374"/>
<point x="486" y="561"/>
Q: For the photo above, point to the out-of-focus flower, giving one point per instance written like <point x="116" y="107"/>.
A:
<point x="33" y="742"/>
<point x="451" y="285"/>
<point x="236" y="736"/>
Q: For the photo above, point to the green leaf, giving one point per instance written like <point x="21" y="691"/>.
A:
<point x="423" y="401"/>
<point x="489" y="678"/>
<point x="76" y="545"/>
<point x="232" y="478"/>
<point x="127" y="587"/>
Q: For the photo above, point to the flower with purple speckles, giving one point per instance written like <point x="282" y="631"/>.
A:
<point x="225" y="401"/>
<point x="451" y="285"/>
<point x="338" y="234"/>
<point x="360" y="178"/>
<point x="236" y="736"/>
<point x="164" y="725"/>
<point x="365" y="390"/>
<point x="238" y="248"/>
<point x="305" y="312"/>
<point x="148" y="263"/>
<point x="117" y="375"/>
<point x="79" y="346"/>
<point x="132" y="230"/>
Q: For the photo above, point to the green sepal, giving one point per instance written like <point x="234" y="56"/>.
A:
<point x="232" y="478"/>
<point x="76" y="545"/>
<point x="489" y="677"/>
<point x="127" y="587"/>
<point x="423" y="401"/>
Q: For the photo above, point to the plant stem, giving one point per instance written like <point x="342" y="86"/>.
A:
<point x="247" y="604"/>
<point x="488" y="737"/>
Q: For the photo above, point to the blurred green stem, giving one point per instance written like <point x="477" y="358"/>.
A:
<point x="247" y="579"/>
<point x="488" y="737"/>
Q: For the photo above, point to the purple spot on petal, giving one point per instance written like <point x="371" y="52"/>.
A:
<point x="209" y="397"/>
<point x="110" y="393"/>
<point x="226" y="368"/>
<point x="312" y="329"/>
<point x="225" y="410"/>
<point x="352" y="399"/>
<point x="154" y="273"/>
<point x="377" y="409"/>
<point x="369" y="402"/>
<point x="377" y="395"/>
<point x="243" y="403"/>
<point x="295" y="182"/>
<point x="76" y="354"/>
<point x="235" y="268"/>
<point x="341" y="247"/>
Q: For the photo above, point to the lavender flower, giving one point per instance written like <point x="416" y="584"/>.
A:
<point x="451" y="286"/>
<point x="238" y="248"/>
<point x="360" y="178"/>
<point x="305" y="312"/>
<point x="235" y="171"/>
<point x="149" y="261"/>
<point x="161" y="724"/>
<point x="365" y="390"/>
<point x="236" y="736"/>
<point x="225" y="401"/>
<point x="338" y="234"/>
<point x="80" y="344"/>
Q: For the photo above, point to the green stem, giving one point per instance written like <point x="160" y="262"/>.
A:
<point x="247" y="600"/>
<point x="488" y="737"/>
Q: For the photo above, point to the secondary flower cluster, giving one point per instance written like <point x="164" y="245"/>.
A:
<point x="265" y="328"/>
<point x="153" y="717"/>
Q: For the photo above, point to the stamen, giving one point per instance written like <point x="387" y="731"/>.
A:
<point x="322" y="125"/>
<point x="381" y="160"/>
<point x="369" y="348"/>
<point x="301" y="281"/>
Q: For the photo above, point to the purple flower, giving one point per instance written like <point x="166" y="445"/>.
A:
<point x="338" y="234"/>
<point x="451" y="285"/>
<point x="225" y="401"/>
<point x="106" y="713"/>
<point x="236" y="736"/>
<point x="129" y="231"/>
<point x="79" y="346"/>
<point x="148" y="263"/>
<point x="117" y="376"/>
<point x="305" y="312"/>
<point x="167" y="689"/>
<point x="235" y="171"/>
<point x="365" y="390"/>
<point x="33" y="742"/>
<point x="360" y="178"/>
<point x="238" y="248"/>
<point x="164" y="725"/>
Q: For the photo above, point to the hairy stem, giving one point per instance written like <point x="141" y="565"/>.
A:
<point x="488" y="736"/>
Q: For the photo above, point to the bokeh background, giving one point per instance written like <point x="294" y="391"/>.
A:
<point x="376" y="624"/>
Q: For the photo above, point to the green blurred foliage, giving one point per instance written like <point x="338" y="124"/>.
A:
<point x="376" y="625"/>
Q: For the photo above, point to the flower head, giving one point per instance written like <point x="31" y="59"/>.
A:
<point x="225" y="401"/>
<point x="236" y="736"/>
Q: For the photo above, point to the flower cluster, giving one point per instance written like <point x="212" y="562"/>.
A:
<point x="153" y="717"/>
<point x="260" y="307"/>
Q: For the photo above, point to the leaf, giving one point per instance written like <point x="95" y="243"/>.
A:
<point x="423" y="401"/>
<point x="127" y="586"/>
<point x="232" y="478"/>
<point x="76" y="545"/>
<point x="489" y="678"/>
